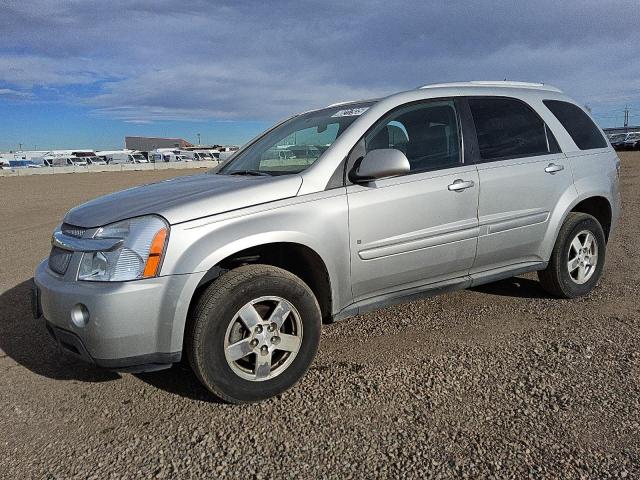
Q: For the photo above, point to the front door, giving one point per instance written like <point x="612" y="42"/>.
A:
<point x="422" y="227"/>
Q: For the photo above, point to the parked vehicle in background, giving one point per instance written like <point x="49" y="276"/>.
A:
<point x="202" y="155"/>
<point x="116" y="157"/>
<point x="84" y="154"/>
<point x="169" y="155"/>
<point x="186" y="155"/>
<point x="617" y="140"/>
<point x="442" y="187"/>
<point x="227" y="152"/>
<point x="632" y="141"/>
<point x="138" y="157"/>
<point x="57" y="161"/>
<point x="37" y="161"/>
<point x="96" y="161"/>
<point x="23" y="164"/>
<point x="64" y="161"/>
<point x="77" y="161"/>
<point x="155" y="157"/>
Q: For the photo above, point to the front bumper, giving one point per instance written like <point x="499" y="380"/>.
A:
<point x="131" y="325"/>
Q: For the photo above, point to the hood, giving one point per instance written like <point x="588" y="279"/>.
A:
<point x="184" y="198"/>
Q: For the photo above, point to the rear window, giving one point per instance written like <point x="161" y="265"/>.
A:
<point x="509" y="128"/>
<point x="577" y="123"/>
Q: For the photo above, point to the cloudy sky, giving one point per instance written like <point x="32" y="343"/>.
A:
<point x="85" y="73"/>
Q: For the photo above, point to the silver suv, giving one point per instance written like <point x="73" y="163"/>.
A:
<point x="329" y="214"/>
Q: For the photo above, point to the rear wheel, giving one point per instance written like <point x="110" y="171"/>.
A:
<point x="577" y="261"/>
<point x="253" y="333"/>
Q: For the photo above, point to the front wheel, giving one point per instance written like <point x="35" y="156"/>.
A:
<point x="254" y="333"/>
<point x="577" y="260"/>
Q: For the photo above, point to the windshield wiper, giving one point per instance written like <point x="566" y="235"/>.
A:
<point x="256" y="173"/>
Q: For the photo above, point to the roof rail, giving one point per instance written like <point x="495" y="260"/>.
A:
<point x="340" y="103"/>
<point x="495" y="83"/>
<point x="360" y="100"/>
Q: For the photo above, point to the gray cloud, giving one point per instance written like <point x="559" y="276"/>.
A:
<point x="150" y="60"/>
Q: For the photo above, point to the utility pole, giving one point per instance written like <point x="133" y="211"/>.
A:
<point x="199" y="143"/>
<point x="19" y="147"/>
<point x="626" y="117"/>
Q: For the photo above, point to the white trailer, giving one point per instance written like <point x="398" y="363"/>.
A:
<point x="116" y="157"/>
<point x="169" y="155"/>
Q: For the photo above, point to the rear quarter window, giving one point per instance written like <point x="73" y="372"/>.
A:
<point x="577" y="123"/>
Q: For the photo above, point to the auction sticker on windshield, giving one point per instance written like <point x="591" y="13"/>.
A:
<point x="350" y="112"/>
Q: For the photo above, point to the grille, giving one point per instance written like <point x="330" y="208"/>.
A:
<point x="72" y="230"/>
<point x="59" y="260"/>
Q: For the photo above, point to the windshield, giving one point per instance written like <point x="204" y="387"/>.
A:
<point x="297" y="143"/>
<point x="633" y="136"/>
<point x="139" y="156"/>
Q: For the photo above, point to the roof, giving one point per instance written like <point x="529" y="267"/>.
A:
<point x="495" y="84"/>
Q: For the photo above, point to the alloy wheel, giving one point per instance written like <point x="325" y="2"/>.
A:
<point x="582" y="257"/>
<point x="263" y="338"/>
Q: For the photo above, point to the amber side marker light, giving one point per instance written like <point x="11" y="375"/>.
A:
<point x="155" y="254"/>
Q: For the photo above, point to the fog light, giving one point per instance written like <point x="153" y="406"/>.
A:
<point x="79" y="315"/>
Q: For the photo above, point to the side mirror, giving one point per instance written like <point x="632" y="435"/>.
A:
<point x="381" y="163"/>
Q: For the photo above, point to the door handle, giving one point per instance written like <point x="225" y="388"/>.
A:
<point x="459" y="185"/>
<point x="553" y="168"/>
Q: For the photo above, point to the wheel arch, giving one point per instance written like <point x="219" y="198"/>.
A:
<point x="599" y="207"/>
<point x="592" y="202"/>
<point x="296" y="258"/>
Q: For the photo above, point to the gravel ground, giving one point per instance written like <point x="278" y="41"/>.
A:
<point x="514" y="384"/>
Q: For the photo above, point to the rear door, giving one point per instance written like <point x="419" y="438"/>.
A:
<point x="418" y="228"/>
<point x="522" y="174"/>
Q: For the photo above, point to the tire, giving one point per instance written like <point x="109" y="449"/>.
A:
<point x="225" y="315"/>
<point x="557" y="279"/>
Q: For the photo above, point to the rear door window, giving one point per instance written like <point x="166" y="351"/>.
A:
<point x="509" y="128"/>
<point x="577" y="123"/>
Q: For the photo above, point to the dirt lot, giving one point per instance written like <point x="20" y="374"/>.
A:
<point x="498" y="381"/>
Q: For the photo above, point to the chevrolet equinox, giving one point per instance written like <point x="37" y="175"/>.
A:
<point x="331" y="213"/>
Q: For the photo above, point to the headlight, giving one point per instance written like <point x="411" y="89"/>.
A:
<point x="139" y="256"/>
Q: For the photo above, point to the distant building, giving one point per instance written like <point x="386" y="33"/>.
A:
<point x="146" y="144"/>
<point x="610" y="131"/>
